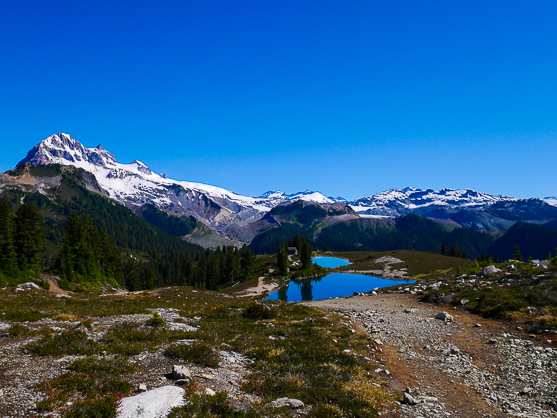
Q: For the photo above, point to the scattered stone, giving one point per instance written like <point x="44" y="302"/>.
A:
<point x="478" y="325"/>
<point x="153" y="403"/>
<point x="408" y="399"/>
<point x="207" y="376"/>
<point x="290" y="403"/>
<point x="209" y="392"/>
<point x="142" y="387"/>
<point x="527" y="390"/>
<point x="444" y="316"/>
<point x="180" y="372"/>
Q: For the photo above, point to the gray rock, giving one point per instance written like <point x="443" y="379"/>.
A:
<point x="409" y="399"/>
<point x="153" y="404"/>
<point x="209" y="392"/>
<point x="290" y="403"/>
<point x="28" y="285"/>
<point x="489" y="270"/>
<point x="444" y="316"/>
<point x="180" y="372"/>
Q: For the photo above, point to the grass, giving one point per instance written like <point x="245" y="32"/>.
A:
<point x="418" y="264"/>
<point x="199" y="353"/>
<point x="93" y="385"/>
<point x="508" y="295"/>
<point x="293" y="351"/>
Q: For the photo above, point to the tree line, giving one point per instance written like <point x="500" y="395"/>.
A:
<point x="87" y="253"/>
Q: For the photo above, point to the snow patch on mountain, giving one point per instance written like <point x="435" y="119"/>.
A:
<point x="137" y="184"/>
<point x="397" y="202"/>
<point x="550" y="200"/>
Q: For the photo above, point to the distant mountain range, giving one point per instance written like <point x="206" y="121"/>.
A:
<point x="234" y="218"/>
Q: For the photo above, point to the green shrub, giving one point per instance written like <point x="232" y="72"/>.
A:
<point x="23" y="316"/>
<point x="198" y="353"/>
<point x="18" y="330"/>
<point x="199" y="406"/>
<point x="259" y="311"/>
<point x="106" y="407"/>
<point x="156" y="320"/>
<point x="65" y="343"/>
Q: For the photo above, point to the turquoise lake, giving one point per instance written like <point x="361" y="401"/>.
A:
<point x="331" y="286"/>
<point x="330" y="262"/>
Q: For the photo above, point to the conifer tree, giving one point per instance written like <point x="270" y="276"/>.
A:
<point x="282" y="258"/>
<point x="8" y="258"/>
<point x="517" y="255"/>
<point x="28" y="236"/>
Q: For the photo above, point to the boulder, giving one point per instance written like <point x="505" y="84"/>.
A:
<point x="209" y="392"/>
<point x="489" y="270"/>
<point x="28" y="285"/>
<point x="153" y="404"/>
<point x="444" y="316"/>
<point x="290" y="403"/>
<point x="180" y="372"/>
<point x="409" y="399"/>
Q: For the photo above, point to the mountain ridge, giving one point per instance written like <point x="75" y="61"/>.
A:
<point x="135" y="185"/>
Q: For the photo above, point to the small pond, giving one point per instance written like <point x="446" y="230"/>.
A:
<point x="331" y="286"/>
<point x="330" y="262"/>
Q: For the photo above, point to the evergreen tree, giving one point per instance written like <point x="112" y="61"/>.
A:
<point x="443" y="249"/>
<point x="516" y="255"/>
<point x="28" y="237"/>
<point x="305" y="253"/>
<point x="8" y="257"/>
<point x="282" y="258"/>
<point x="454" y="251"/>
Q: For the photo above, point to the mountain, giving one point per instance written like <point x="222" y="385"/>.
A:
<point x="396" y="202"/>
<point x="233" y="218"/>
<point x="135" y="184"/>
<point x="278" y="197"/>
<point x="467" y="208"/>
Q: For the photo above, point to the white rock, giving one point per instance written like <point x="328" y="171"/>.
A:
<point x="28" y="285"/>
<point x="444" y="316"/>
<point x="209" y="392"/>
<point x="155" y="403"/>
<point x="489" y="270"/>
<point x="291" y="403"/>
<point x="180" y="372"/>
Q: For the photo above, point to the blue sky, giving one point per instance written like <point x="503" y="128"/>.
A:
<point x="348" y="98"/>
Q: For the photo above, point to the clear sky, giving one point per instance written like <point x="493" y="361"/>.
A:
<point x="347" y="98"/>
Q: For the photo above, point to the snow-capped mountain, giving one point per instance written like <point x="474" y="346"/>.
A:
<point x="278" y="197"/>
<point x="396" y="202"/>
<point x="136" y="184"/>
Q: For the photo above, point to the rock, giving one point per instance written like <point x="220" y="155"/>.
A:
<point x="209" y="392"/>
<point x="142" y="387"/>
<point x="478" y="325"/>
<point x="180" y="372"/>
<point x="153" y="404"/>
<point x="489" y="270"/>
<point x="464" y="302"/>
<point x="529" y="309"/>
<point x="527" y="390"/>
<point x="28" y="285"/>
<point x="444" y="316"/>
<point x="290" y="403"/>
<point x="408" y="399"/>
<point x="409" y="311"/>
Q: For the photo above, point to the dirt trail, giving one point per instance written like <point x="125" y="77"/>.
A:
<point x="469" y="367"/>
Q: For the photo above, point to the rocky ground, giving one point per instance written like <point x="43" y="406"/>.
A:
<point x="465" y="367"/>
<point x="20" y="372"/>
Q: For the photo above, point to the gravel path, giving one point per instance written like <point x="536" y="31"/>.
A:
<point x="468" y="367"/>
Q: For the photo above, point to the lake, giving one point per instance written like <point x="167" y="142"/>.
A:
<point x="331" y="286"/>
<point x="330" y="262"/>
